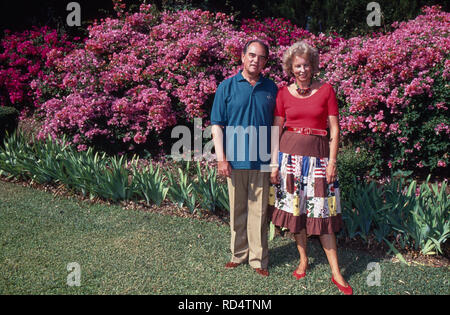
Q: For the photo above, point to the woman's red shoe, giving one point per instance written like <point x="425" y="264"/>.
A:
<point x="298" y="275"/>
<point x="346" y="290"/>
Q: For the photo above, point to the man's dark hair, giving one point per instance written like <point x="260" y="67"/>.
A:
<point x="266" y="48"/>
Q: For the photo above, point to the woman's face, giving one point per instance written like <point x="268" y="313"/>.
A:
<point x="301" y="68"/>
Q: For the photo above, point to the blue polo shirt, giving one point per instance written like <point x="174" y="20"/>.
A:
<point x="246" y="112"/>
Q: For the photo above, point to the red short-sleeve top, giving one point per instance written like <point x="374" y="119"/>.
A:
<point x="311" y="112"/>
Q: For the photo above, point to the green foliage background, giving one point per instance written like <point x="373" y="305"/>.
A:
<point x="348" y="17"/>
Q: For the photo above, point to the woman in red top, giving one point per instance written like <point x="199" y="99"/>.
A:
<point x="305" y="190"/>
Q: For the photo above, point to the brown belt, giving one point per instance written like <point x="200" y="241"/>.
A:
<point x="308" y="131"/>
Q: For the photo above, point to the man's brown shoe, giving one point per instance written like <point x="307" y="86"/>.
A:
<point x="262" y="272"/>
<point x="231" y="264"/>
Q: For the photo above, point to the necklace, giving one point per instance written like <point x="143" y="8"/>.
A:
<point x="303" y="91"/>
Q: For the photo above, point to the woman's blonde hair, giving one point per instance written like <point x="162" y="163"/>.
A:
<point x="301" y="49"/>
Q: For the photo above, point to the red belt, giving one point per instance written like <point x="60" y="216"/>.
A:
<point x="308" y="131"/>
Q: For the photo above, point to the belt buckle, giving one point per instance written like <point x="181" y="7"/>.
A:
<point x="306" y="131"/>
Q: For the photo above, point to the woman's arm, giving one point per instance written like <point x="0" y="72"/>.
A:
<point x="277" y="129"/>
<point x="333" y="122"/>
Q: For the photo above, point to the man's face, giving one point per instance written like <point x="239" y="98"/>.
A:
<point x="254" y="59"/>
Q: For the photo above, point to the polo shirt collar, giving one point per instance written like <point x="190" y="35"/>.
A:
<point x="240" y="77"/>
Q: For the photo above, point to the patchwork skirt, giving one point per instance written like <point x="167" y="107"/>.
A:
<point x="303" y="199"/>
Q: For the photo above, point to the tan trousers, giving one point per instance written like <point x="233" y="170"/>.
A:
<point x="249" y="197"/>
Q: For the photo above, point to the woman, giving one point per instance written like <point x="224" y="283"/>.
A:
<point x="305" y="191"/>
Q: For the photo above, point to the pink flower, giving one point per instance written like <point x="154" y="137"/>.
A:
<point x="82" y="147"/>
<point x="442" y="127"/>
<point x="441" y="105"/>
<point x="24" y="60"/>
<point x="139" y="138"/>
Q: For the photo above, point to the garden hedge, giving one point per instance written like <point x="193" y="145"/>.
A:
<point x="9" y="119"/>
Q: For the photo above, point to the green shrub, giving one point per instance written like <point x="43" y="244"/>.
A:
<point x="12" y="156"/>
<point x="361" y="209"/>
<point x="181" y="189"/>
<point x="400" y="214"/>
<point x="48" y="161"/>
<point x="150" y="184"/>
<point x="212" y="194"/>
<point x="197" y="188"/>
<point x="95" y="174"/>
<point x="412" y="216"/>
<point x="354" y="163"/>
<point x="419" y="215"/>
<point x="9" y="118"/>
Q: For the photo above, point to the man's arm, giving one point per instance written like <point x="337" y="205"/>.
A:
<point x="223" y="166"/>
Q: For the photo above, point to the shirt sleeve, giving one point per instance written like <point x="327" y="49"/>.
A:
<point x="219" y="108"/>
<point x="279" y="108"/>
<point x="333" y="109"/>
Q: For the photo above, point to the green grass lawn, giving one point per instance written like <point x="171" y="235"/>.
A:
<point x="131" y="252"/>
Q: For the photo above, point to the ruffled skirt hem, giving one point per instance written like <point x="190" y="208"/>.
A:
<point x="313" y="226"/>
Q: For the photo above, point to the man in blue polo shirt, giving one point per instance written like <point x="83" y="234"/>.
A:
<point x="241" y="120"/>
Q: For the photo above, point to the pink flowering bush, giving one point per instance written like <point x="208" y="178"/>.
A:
<point x="394" y="90"/>
<point x="279" y="34"/>
<point x="140" y="74"/>
<point x="23" y="59"/>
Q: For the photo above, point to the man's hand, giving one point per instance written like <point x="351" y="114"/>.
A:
<point x="224" y="168"/>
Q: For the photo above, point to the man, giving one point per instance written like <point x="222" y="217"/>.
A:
<point x="241" y="120"/>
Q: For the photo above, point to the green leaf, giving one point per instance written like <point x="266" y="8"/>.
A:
<point x="271" y="231"/>
<point x="396" y="252"/>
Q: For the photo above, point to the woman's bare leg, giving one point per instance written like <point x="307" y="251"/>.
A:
<point x="329" y="245"/>
<point x="300" y="239"/>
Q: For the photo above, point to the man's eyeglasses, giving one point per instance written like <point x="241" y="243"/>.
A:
<point x="253" y="56"/>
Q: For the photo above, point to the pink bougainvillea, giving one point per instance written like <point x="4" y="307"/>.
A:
<point x="139" y="74"/>
<point x="393" y="88"/>
<point x="23" y="58"/>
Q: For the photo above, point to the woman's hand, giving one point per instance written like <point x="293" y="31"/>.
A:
<point x="275" y="176"/>
<point x="331" y="172"/>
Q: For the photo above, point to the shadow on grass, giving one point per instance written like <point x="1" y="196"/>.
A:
<point x="351" y="262"/>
